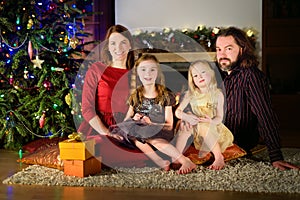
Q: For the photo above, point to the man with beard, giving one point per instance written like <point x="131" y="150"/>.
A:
<point x="249" y="113"/>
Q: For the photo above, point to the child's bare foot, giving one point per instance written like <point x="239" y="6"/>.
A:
<point x="186" y="166"/>
<point x="218" y="164"/>
<point x="166" y="165"/>
<point x="175" y="165"/>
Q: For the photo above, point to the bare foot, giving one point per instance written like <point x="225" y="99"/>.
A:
<point x="218" y="164"/>
<point x="166" y="165"/>
<point x="175" y="165"/>
<point x="186" y="166"/>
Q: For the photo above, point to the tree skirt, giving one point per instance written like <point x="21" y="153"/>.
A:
<point x="253" y="174"/>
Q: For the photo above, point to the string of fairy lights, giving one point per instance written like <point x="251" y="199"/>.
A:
<point x="12" y="42"/>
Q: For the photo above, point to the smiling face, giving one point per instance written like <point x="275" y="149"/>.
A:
<point x="118" y="46"/>
<point x="147" y="72"/>
<point x="227" y="52"/>
<point x="201" y="74"/>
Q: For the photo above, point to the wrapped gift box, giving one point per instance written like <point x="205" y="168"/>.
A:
<point x="76" y="150"/>
<point x="82" y="168"/>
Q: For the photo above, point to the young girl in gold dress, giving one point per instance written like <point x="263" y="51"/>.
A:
<point x="206" y="101"/>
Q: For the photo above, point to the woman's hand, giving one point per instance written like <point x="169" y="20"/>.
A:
<point x="116" y="136"/>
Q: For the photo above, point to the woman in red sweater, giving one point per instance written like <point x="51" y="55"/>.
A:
<point x="104" y="95"/>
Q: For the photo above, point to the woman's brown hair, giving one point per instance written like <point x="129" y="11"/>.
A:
<point x="105" y="55"/>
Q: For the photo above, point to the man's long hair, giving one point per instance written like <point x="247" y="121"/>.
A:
<point x="248" y="57"/>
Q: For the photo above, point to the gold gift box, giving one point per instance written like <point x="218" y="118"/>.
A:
<point x="76" y="150"/>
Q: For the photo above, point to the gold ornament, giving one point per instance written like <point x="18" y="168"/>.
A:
<point x="66" y="40"/>
<point x="29" y="24"/>
<point x="37" y="62"/>
<point x="73" y="42"/>
<point x="68" y="99"/>
<point x="75" y="136"/>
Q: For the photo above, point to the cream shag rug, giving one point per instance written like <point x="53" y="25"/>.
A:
<point x="253" y="174"/>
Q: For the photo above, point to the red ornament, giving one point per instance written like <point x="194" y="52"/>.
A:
<point x="52" y="6"/>
<point x="47" y="84"/>
<point x="11" y="79"/>
<point x="30" y="51"/>
<point x="42" y="120"/>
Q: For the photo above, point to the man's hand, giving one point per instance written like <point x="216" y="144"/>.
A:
<point x="283" y="165"/>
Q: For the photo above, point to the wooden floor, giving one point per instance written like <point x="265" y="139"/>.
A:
<point x="290" y="138"/>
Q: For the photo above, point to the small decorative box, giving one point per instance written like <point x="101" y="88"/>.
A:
<point x="82" y="168"/>
<point x="76" y="150"/>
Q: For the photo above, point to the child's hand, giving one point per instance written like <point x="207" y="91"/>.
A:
<point x="146" y="120"/>
<point x="191" y="119"/>
<point x="137" y="116"/>
<point x="205" y="119"/>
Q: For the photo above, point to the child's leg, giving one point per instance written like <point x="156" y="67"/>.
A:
<point x="147" y="149"/>
<point x="219" y="158"/>
<point x="183" y="134"/>
<point x="165" y="147"/>
<point x="210" y="143"/>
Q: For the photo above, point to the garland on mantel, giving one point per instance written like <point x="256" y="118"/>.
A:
<point x="176" y="40"/>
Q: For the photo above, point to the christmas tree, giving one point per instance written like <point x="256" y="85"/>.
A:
<point x="41" y="49"/>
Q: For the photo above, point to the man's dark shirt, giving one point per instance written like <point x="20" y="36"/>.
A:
<point x="248" y="111"/>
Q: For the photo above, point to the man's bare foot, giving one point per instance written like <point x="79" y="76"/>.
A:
<point x="218" y="164"/>
<point x="186" y="166"/>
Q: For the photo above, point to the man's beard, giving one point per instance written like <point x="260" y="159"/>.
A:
<point x="229" y="67"/>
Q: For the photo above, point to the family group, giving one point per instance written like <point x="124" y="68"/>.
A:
<point x="126" y="103"/>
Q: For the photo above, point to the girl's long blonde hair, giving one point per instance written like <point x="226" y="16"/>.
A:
<point x="212" y="86"/>
<point x="137" y="89"/>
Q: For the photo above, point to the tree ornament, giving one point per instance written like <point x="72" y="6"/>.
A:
<point x="11" y="79"/>
<point x="59" y="50"/>
<point x="30" y="51"/>
<point x="30" y="23"/>
<point x="42" y="120"/>
<point x="52" y="6"/>
<point x="26" y="73"/>
<point x="37" y="62"/>
<point x="68" y="99"/>
<point x="47" y="84"/>
<point x="66" y="40"/>
<point x="82" y="22"/>
<point x="73" y="42"/>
